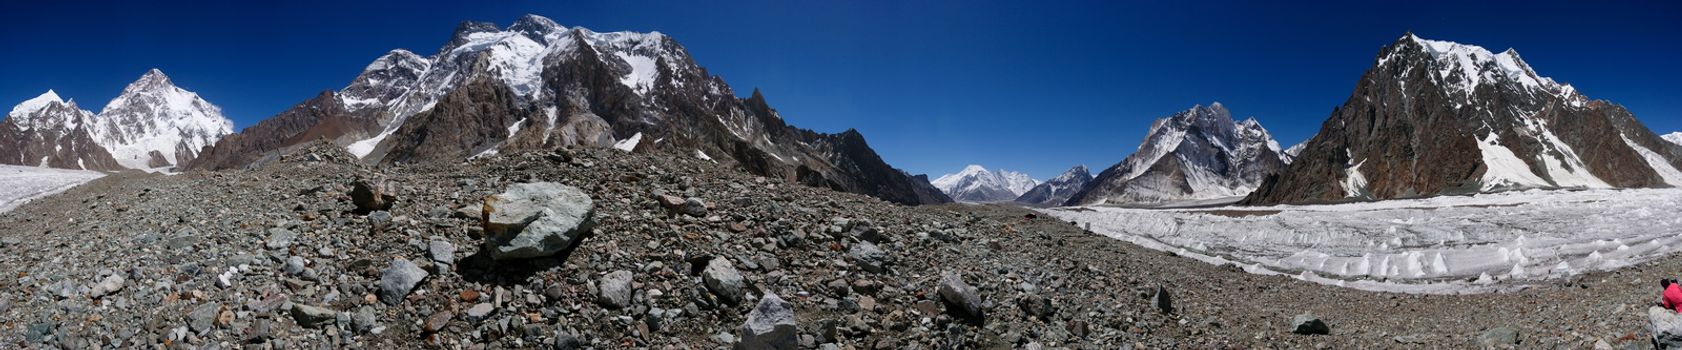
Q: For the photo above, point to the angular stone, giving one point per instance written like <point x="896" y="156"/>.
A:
<point x="694" y="207"/>
<point x="961" y="299"/>
<point x="369" y="195"/>
<point x="398" y="280"/>
<point x="1162" y="301"/>
<point x="311" y="316"/>
<point x="437" y="321"/>
<point x="203" y="318"/>
<point x="615" y="289"/>
<point x="723" y="280"/>
<point x="1309" y="324"/>
<point x="280" y="238"/>
<point x="478" y="313"/>
<point x="538" y="219"/>
<point x="111" y="284"/>
<point x="769" y="326"/>
<point x="442" y="252"/>
<point x="869" y="257"/>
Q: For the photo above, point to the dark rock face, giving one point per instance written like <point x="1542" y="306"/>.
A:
<point x="550" y="86"/>
<point x="1057" y="190"/>
<point x="59" y="135"/>
<point x="1433" y="118"/>
<point x="321" y="117"/>
<point x="1199" y="153"/>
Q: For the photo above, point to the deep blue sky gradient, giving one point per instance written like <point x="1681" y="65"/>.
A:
<point x="1034" y="86"/>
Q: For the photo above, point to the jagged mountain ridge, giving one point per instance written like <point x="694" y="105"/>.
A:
<point x="1200" y="153"/>
<point x="539" y="85"/>
<point x="977" y="184"/>
<point x="1435" y="117"/>
<point x="152" y="124"/>
<point x="1057" y="190"/>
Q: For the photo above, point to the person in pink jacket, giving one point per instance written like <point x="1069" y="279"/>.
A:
<point x="1672" y="298"/>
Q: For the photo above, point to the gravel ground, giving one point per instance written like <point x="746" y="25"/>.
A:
<point x="287" y="256"/>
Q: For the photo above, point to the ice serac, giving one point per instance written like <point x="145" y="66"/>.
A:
<point x="1436" y="117"/>
<point x="538" y="85"/>
<point x="977" y="184"/>
<point x="1057" y="190"/>
<point x="47" y="131"/>
<point x="152" y="115"/>
<point x="1197" y="154"/>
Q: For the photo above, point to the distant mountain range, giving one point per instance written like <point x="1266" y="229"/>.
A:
<point x="1197" y="154"/>
<point x="976" y="184"/>
<point x="152" y="125"/>
<point x="1057" y="190"/>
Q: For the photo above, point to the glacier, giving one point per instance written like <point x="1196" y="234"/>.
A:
<point x="21" y="184"/>
<point x="1452" y="244"/>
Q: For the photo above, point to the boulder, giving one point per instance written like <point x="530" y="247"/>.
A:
<point x="398" y="280"/>
<point x="961" y="299"/>
<point x="722" y="279"/>
<point x="1665" y="327"/>
<point x="203" y="317"/>
<point x="370" y="195"/>
<point x="869" y="257"/>
<point x="694" y="207"/>
<point x="537" y="219"/>
<point x="769" y="326"/>
<point x="1162" y="301"/>
<point x="1309" y="324"/>
<point x="615" y="289"/>
<point x="111" y="284"/>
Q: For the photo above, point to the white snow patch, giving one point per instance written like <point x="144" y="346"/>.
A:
<point x="1657" y="162"/>
<point x="703" y="155"/>
<point x="1504" y="169"/>
<point x="630" y="143"/>
<point x="642" y="75"/>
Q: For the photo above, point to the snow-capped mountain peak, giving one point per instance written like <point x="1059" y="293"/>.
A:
<point x="977" y="184"/>
<point x="1461" y="68"/>
<point x="1675" y="137"/>
<point x="35" y="104"/>
<point x="1195" y="154"/>
<point x="154" y="115"/>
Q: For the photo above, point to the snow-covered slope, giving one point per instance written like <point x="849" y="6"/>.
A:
<point x="1437" y="117"/>
<point x="1196" y="154"/>
<point x="976" y="184"/>
<point x="47" y="131"/>
<point x="1675" y="137"/>
<point x="154" y="123"/>
<point x="1057" y="190"/>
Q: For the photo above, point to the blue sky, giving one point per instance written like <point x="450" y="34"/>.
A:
<point x="1034" y="86"/>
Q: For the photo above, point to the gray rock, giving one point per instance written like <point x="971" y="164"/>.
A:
<point x="615" y="289"/>
<point x="695" y="207"/>
<point x="961" y="299"/>
<point x="379" y="220"/>
<point x="203" y="318"/>
<point x="364" y="320"/>
<point x="398" y="280"/>
<point x="1035" y="305"/>
<point x="1162" y="301"/>
<point x="111" y="284"/>
<point x="1309" y="324"/>
<point x="769" y="326"/>
<point x="565" y="341"/>
<point x="1664" y="326"/>
<point x="295" y="265"/>
<point x="313" y="316"/>
<point x="480" y="312"/>
<point x="38" y="332"/>
<point x="869" y="257"/>
<point x="865" y="230"/>
<point x="538" y="219"/>
<point x="442" y="252"/>
<point x="280" y="238"/>
<point x="1498" y="336"/>
<point x="369" y="195"/>
<point x="723" y="280"/>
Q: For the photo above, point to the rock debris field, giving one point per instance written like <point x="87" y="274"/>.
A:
<point x="602" y="249"/>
